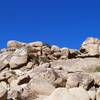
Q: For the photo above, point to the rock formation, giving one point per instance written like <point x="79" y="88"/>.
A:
<point x="38" y="71"/>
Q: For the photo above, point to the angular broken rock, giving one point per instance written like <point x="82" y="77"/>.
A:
<point x="19" y="58"/>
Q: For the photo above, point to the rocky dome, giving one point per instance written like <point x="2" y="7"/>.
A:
<point x="38" y="71"/>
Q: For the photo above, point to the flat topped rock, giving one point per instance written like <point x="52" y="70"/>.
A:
<point x="79" y="64"/>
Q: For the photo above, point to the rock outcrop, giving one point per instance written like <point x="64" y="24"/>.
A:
<point x="38" y="71"/>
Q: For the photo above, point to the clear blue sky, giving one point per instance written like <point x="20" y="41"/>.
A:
<point x="62" y="22"/>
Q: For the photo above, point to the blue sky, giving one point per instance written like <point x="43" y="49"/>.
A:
<point x="65" y="23"/>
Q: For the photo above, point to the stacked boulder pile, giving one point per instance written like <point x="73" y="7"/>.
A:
<point x="38" y="71"/>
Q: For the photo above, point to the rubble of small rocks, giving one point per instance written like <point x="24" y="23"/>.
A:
<point x="38" y="71"/>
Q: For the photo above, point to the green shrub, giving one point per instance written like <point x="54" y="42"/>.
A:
<point x="98" y="69"/>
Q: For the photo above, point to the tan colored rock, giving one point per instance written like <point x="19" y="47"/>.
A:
<point x="64" y="52"/>
<point x="73" y="80"/>
<point x="61" y="94"/>
<point x="14" y="93"/>
<point x="4" y="84"/>
<point x="92" y="95"/>
<point x="79" y="79"/>
<point x="96" y="77"/>
<point x="29" y="65"/>
<point x="71" y="94"/>
<point x="5" y="75"/>
<point x="90" y="46"/>
<point x="55" y="48"/>
<point x="13" y="43"/>
<point x="98" y="94"/>
<point x="47" y="74"/>
<point x="41" y="87"/>
<point x="36" y="44"/>
<point x="3" y="93"/>
<point x="78" y="64"/>
<point x="79" y="93"/>
<point x="5" y="59"/>
<point x="57" y="54"/>
<point x="46" y="50"/>
<point x="19" y="58"/>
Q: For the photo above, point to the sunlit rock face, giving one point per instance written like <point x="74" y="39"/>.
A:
<point x="39" y="71"/>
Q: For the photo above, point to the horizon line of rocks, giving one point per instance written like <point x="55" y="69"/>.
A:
<point x="90" y="47"/>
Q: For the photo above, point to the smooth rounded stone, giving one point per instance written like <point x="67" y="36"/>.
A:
<point x="3" y="93"/>
<point x="64" y="52"/>
<point x="98" y="94"/>
<point x="69" y="94"/>
<point x="90" y="46"/>
<point x="13" y="43"/>
<point x="79" y="93"/>
<point x="41" y="87"/>
<point x="90" y="40"/>
<point x="61" y="94"/>
<point x="55" y="48"/>
<point x="19" y="58"/>
<point x="92" y="95"/>
<point x="36" y="44"/>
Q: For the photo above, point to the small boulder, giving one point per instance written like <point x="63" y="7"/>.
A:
<point x="19" y="58"/>
<point x="13" y="43"/>
<point x="90" y="46"/>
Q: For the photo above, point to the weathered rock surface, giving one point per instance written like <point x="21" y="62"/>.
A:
<point x="38" y="71"/>
<point x="71" y="94"/>
<point x="3" y="93"/>
<point x="19" y="58"/>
